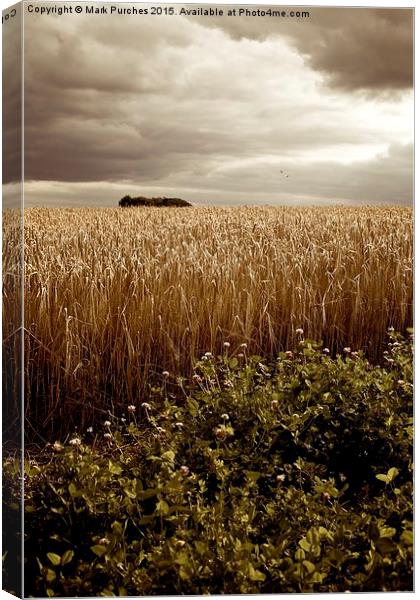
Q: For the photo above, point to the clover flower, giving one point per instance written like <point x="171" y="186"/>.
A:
<point x="184" y="470"/>
<point x="75" y="442"/>
<point x="226" y="344"/>
<point x="165" y="374"/>
<point x="108" y="436"/>
<point x="131" y="408"/>
<point x="299" y="331"/>
<point x="107" y="423"/>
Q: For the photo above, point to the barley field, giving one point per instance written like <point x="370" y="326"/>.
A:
<point x="116" y="297"/>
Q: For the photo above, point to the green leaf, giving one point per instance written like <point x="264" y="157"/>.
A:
<point x="382" y="477"/>
<point x="407" y="537"/>
<point x="169" y="455"/>
<point x="387" y="532"/>
<point x="255" y="575"/>
<point x="114" y="468"/>
<point x="305" y="544"/>
<point x="392" y="473"/>
<point x="385" y="545"/>
<point x="72" y="489"/>
<point x="184" y="573"/>
<point x="182" y="559"/>
<point x="162" y="507"/>
<point x="310" y="567"/>
<point x="50" y="575"/>
<point x="67" y="557"/>
<point x="129" y="492"/>
<point x="253" y="475"/>
<point x="98" y="550"/>
<point x="201" y="547"/>
<point x="299" y="554"/>
<point x="54" y="558"/>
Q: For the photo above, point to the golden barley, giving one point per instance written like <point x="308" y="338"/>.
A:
<point x="118" y="298"/>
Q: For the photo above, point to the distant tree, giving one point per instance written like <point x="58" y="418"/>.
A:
<point x="128" y="201"/>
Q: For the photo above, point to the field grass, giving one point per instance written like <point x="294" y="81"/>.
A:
<point x="114" y="297"/>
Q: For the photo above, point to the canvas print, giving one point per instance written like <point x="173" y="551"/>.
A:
<point x="207" y="299"/>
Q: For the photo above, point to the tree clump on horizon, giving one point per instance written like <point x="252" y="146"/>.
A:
<point x="128" y="201"/>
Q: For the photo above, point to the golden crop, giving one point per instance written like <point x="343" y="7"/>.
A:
<point x="113" y="297"/>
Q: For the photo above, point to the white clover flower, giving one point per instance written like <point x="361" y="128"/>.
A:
<point x="75" y="442"/>
<point x="299" y="331"/>
<point x="103" y="541"/>
<point x="146" y="406"/>
<point x="208" y="354"/>
<point x="165" y="373"/>
<point x="347" y="350"/>
<point x="280" y="478"/>
<point x="89" y="429"/>
<point x="225" y="416"/>
<point x="326" y="350"/>
<point x="179" y="425"/>
<point x="131" y="408"/>
<point x="240" y="355"/>
<point x="226" y="344"/>
<point x="108" y="436"/>
<point x="107" y="423"/>
<point x="243" y="346"/>
<point x="289" y="353"/>
<point x="184" y="470"/>
<point x="58" y="447"/>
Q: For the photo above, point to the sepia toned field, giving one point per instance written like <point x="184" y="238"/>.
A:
<point x="114" y="297"/>
<point x="217" y="400"/>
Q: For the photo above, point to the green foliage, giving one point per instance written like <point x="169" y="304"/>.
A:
<point x="293" y="477"/>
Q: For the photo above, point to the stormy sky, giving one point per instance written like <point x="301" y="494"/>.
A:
<point x="219" y="110"/>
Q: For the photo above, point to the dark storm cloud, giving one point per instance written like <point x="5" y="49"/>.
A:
<point x="11" y="97"/>
<point x="385" y="179"/>
<point x="210" y="110"/>
<point x="355" y="49"/>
